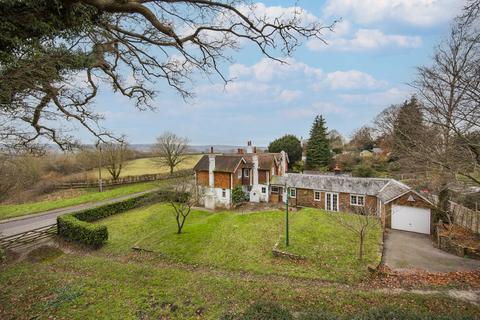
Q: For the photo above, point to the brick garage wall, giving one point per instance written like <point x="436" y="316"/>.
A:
<point x="222" y="180"/>
<point x="402" y="201"/>
<point x="202" y="178"/>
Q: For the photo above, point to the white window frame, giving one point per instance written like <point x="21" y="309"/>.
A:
<point x="275" y="189"/>
<point x="292" y="192"/>
<point x="264" y="190"/>
<point x="224" y="193"/>
<point x="330" y="204"/>
<point x="246" y="173"/>
<point x="315" y="192"/>
<point x="356" y="197"/>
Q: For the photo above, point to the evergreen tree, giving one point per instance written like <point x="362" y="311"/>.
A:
<point x="318" y="148"/>
<point x="408" y="128"/>
<point x="290" y="144"/>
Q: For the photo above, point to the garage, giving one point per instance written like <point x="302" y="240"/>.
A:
<point x="412" y="219"/>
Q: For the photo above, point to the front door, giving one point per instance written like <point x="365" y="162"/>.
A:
<point x="331" y="201"/>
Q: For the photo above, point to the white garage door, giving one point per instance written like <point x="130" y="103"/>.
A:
<point x="411" y="219"/>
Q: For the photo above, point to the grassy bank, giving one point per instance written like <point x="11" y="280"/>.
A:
<point x="88" y="195"/>
<point x="97" y="287"/>
<point x="244" y="241"/>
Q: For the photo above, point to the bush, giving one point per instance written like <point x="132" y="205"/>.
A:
<point x="363" y="171"/>
<point x="238" y="196"/>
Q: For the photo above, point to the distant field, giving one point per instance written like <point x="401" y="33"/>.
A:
<point x="143" y="166"/>
<point x="88" y="195"/>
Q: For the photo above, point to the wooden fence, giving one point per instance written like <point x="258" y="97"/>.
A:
<point x="28" y="237"/>
<point x="123" y="180"/>
<point x="465" y="217"/>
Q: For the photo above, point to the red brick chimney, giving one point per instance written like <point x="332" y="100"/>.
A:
<point x="337" y="169"/>
<point x="254" y="149"/>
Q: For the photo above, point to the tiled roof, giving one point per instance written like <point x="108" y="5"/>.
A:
<point x="392" y="190"/>
<point x="223" y="163"/>
<point x="368" y="186"/>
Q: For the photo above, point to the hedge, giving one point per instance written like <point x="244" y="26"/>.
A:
<point x="77" y="227"/>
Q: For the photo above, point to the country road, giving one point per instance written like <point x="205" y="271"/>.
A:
<point x="26" y="223"/>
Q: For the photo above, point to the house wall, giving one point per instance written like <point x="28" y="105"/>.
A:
<point x="262" y="177"/>
<point x="402" y="201"/>
<point x="202" y="178"/>
<point x="305" y="198"/>
<point x="222" y="180"/>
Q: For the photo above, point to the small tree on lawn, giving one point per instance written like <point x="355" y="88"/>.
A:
<point x="318" y="147"/>
<point x="360" y="224"/>
<point x="181" y="201"/>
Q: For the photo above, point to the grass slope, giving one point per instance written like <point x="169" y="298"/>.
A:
<point x="90" y="195"/>
<point x="244" y="241"/>
<point x="97" y="287"/>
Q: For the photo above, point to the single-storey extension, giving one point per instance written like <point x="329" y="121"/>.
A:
<point x="399" y="206"/>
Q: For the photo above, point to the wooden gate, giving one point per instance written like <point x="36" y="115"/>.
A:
<point x="28" y="237"/>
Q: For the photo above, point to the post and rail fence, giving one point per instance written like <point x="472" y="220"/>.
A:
<point x="124" y="180"/>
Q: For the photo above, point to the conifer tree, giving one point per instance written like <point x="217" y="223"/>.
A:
<point x="318" y="148"/>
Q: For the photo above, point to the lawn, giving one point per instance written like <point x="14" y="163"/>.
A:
<point x="143" y="166"/>
<point x="244" y="241"/>
<point x="89" y="195"/>
<point x="76" y="286"/>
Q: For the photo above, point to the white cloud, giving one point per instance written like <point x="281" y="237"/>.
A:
<point x="378" y="99"/>
<point x="320" y="107"/>
<point x="351" y="79"/>
<point x="279" y="13"/>
<point x="366" y="39"/>
<point x="287" y="96"/>
<point x="413" y="12"/>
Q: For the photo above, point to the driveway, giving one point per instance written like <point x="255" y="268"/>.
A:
<point x="408" y="250"/>
<point x="26" y="223"/>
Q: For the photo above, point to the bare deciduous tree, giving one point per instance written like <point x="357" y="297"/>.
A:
<point x="52" y="71"/>
<point x="114" y="155"/>
<point x="364" y="220"/>
<point x="171" y="149"/>
<point x="182" y="201"/>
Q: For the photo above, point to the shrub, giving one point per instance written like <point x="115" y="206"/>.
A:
<point x="238" y="196"/>
<point x="73" y="229"/>
<point x="362" y="170"/>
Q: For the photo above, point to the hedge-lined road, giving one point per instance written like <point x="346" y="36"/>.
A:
<point x="37" y="220"/>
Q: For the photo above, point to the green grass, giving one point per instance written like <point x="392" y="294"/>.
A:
<point x="98" y="287"/>
<point x="90" y="195"/>
<point x="244" y="242"/>
<point x="143" y="166"/>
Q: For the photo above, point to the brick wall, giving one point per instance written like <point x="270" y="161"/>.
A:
<point x="262" y="177"/>
<point x="305" y="198"/>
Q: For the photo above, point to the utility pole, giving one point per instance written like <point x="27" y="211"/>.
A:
<point x="100" y="182"/>
<point x="287" y="241"/>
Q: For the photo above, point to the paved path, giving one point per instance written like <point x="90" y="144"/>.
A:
<point x="25" y="223"/>
<point x="408" y="250"/>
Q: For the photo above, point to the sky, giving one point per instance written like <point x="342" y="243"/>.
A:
<point x="366" y="66"/>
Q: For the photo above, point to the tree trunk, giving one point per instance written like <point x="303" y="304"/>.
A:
<point x="360" y="249"/>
